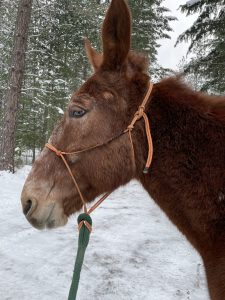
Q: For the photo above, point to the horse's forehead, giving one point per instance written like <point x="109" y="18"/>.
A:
<point x="81" y="97"/>
<point x="90" y="87"/>
<point x="101" y="80"/>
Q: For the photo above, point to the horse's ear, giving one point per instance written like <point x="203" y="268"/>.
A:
<point x="94" y="57"/>
<point x="116" y="34"/>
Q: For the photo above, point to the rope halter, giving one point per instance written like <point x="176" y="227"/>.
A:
<point x="140" y="113"/>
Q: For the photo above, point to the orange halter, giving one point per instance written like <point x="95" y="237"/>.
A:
<point x="137" y="116"/>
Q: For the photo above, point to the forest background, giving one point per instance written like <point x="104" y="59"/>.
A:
<point x="48" y="36"/>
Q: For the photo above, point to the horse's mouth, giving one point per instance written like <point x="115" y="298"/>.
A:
<point x="51" y="217"/>
<point x="36" y="224"/>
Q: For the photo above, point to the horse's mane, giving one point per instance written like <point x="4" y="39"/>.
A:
<point x="173" y="89"/>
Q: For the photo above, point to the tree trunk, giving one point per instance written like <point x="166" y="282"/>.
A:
<point x="15" y="85"/>
<point x="33" y="154"/>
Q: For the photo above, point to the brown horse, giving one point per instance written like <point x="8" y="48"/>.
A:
<point x="187" y="175"/>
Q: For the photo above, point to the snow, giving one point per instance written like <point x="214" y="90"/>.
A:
<point x="60" y="111"/>
<point x="134" y="252"/>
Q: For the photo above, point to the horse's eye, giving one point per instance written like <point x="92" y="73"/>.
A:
<point x="77" y="113"/>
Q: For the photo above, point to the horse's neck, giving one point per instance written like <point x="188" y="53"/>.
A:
<point x="187" y="146"/>
<point x="164" y="182"/>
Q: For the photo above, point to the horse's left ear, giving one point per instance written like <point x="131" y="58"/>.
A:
<point x="116" y="35"/>
<point x="94" y="57"/>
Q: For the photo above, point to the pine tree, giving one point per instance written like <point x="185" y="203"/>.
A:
<point x="207" y="37"/>
<point x="56" y="63"/>
<point x="151" y="22"/>
<point x="7" y="24"/>
<point x="14" y="86"/>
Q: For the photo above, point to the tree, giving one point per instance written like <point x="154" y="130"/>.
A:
<point x="207" y="37"/>
<point x="194" y="79"/>
<point x="151" y="22"/>
<point x="56" y="62"/>
<point x="55" y="66"/>
<point x="7" y="24"/>
<point x="15" y="85"/>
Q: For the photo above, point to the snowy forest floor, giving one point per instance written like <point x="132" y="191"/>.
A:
<point x="134" y="252"/>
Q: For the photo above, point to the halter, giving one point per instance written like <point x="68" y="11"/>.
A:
<point x="140" y="113"/>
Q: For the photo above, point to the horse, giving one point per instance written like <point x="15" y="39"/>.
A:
<point x="187" y="174"/>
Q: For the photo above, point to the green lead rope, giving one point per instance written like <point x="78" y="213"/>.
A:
<point x="83" y="240"/>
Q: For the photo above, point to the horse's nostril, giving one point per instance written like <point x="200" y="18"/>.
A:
<point x="27" y="207"/>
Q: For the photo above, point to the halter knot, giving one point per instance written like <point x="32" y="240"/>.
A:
<point x="57" y="152"/>
<point x="130" y="127"/>
<point x="139" y="114"/>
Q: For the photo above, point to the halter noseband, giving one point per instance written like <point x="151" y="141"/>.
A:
<point x="140" y="113"/>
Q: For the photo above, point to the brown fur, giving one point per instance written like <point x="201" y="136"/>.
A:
<point x="187" y="175"/>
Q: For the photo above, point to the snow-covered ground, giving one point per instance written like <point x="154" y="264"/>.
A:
<point x="134" y="252"/>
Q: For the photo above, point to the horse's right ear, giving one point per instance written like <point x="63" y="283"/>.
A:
<point x="116" y="35"/>
<point x="94" y="57"/>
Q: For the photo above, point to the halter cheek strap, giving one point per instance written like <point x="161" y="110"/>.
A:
<point x="140" y="113"/>
<point x="137" y="116"/>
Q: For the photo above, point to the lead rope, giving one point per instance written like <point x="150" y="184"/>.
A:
<point x="84" y="220"/>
